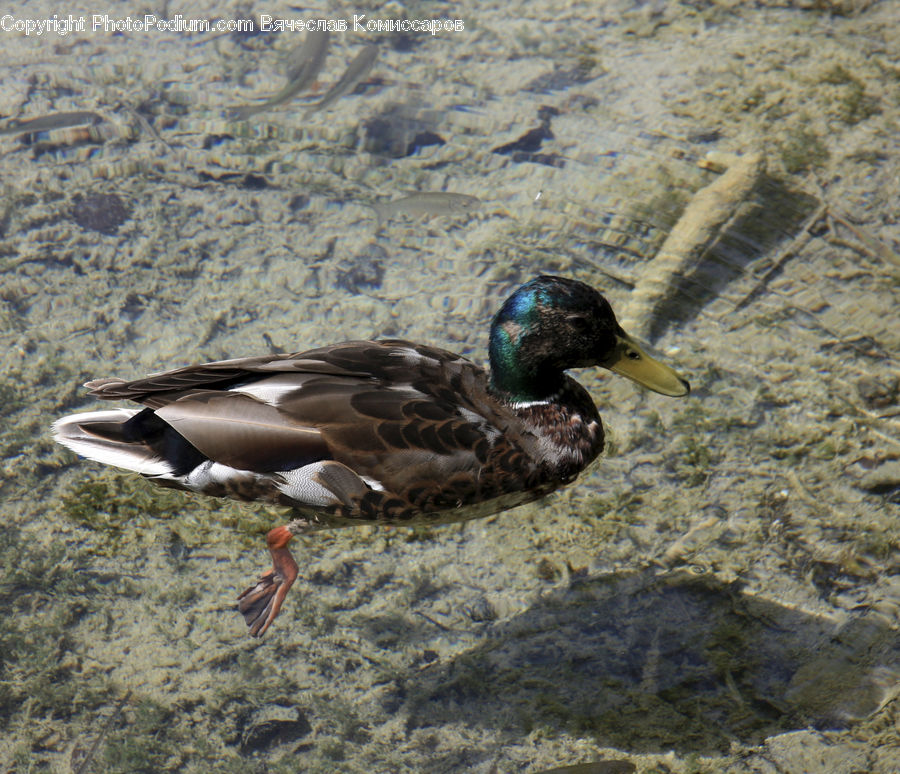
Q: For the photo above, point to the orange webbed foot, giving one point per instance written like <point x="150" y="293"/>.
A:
<point x="260" y="604"/>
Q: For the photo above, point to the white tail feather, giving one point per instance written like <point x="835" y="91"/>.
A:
<point x="74" y="432"/>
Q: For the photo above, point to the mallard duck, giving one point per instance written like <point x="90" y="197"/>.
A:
<point x="377" y="432"/>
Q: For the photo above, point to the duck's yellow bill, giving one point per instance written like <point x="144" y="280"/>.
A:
<point x="631" y="361"/>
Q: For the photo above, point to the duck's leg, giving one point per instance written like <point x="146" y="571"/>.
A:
<point x="260" y="603"/>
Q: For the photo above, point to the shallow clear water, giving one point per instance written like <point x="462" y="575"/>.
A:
<point x="719" y="591"/>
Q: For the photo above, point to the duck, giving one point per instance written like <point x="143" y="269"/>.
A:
<point x="377" y="432"/>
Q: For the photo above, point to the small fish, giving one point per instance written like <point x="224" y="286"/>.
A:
<point x="356" y="71"/>
<point x="52" y="121"/>
<point x="429" y="203"/>
<point x="304" y="63"/>
<point x="147" y="127"/>
<point x="299" y="57"/>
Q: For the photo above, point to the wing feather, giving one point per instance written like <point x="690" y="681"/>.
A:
<point x="242" y="432"/>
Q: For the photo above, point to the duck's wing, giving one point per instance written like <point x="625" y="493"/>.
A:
<point x="161" y="388"/>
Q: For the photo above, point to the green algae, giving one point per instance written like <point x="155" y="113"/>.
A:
<point x="11" y="398"/>
<point x="803" y="149"/>
<point x="142" y="749"/>
<point x="694" y="461"/>
<point x="852" y="103"/>
<point x="47" y="589"/>
<point x="122" y="509"/>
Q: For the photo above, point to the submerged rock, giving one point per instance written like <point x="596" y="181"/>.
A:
<point x="366" y="271"/>
<point x="100" y="212"/>
<point x="273" y="725"/>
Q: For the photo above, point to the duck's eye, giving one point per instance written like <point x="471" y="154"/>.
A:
<point x="579" y="323"/>
<point x="632" y="355"/>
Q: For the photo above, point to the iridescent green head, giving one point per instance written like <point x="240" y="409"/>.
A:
<point x="553" y="323"/>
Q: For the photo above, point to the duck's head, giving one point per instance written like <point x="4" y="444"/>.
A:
<point x="553" y="323"/>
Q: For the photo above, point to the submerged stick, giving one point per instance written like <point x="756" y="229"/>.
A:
<point x="83" y="766"/>
<point x="789" y="251"/>
<point x="706" y="215"/>
<point x="873" y="246"/>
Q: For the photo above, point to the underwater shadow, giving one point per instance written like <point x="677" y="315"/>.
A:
<point x="651" y="663"/>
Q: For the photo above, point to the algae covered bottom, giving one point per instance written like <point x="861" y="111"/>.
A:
<point x="720" y="590"/>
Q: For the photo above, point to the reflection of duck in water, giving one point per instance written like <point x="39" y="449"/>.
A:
<point x="377" y="431"/>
